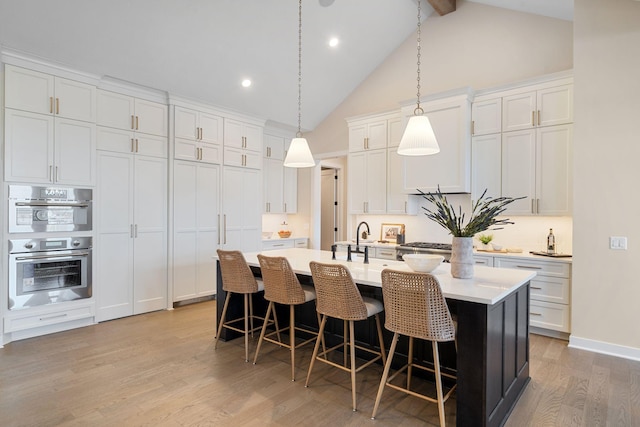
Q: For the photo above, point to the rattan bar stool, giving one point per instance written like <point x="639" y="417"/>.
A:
<point x="415" y="307"/>
<point x="281" y="286"/>
<point x="339" y="297"/>
<point x="237" y="278"/>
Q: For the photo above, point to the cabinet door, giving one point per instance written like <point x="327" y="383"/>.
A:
<point x="486" y="117"/>
<point x="208" y="217"/>
<point x="357" y="190"/>
<point x="242" y="199"/>
<point x="242" y="158"/>
<point x="486" y="169"/>
<point x="210" y="153"/>
<point x="115" y="110"/>
<point x="116" y="140"/>
<point x="253" y="137"/>
<point x="28" y="90"/>
<point x="75" y="100"/>
<point x="151" y="145"/>
<point x="554" y="170"/>
<point x="555" y="105"/>
<point x="185" y="230"/>
<point x="451" y="167"/>
<point x="211" y="128"/>
<point x="377" y="135"/>
<point x="376" y="181"/>
<point x="398" y="202"/>
<point x="185" y="123"/>
<point x="273" y="147"/>
<point x="357" y="135"/>
<point x="150" y="231"/>
<point x="233" y="134"/>
<point x="518" y="170"/>
<point x="395" y="129"/>
<point x="151" y="117"/>
<point x="518" y="111"/>
<point x="114" y="249"/>
<point x="75" y="147"/>
<point x="28" y="147"/>
<point x="273" y="185"/>
<point x="290" y="190"/>
<point x="186" y="149"/>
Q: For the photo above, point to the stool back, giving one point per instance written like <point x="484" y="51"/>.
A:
<point x="236" y="274"/>
<point x="414" y="306"/>
<point x="337" y="294"/>
<point x="280" y="282"/>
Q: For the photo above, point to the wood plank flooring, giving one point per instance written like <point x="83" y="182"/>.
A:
<point x="161" y="369"/>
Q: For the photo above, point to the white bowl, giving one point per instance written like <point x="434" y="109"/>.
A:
<point x="496" y="247"/>
<point x="423" y="263"/>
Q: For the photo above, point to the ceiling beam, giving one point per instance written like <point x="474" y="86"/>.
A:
<point x="443" y="6"/>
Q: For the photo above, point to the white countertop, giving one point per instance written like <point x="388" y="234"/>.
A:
<point x="488" y="286"/>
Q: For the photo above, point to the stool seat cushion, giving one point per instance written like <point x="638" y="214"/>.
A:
<point x="373" y="306"/>
<point x="309" y="293"/>
<point x="260" y="285"/>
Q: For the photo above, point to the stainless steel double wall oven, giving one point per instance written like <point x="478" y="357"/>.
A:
<point x="50" y="258"/>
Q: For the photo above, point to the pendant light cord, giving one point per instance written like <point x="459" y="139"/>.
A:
<point x="418" y="111"/>
<point x="299" y="133"/>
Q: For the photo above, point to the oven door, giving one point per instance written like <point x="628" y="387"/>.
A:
<point x="31" y="216"/>
<point x="41" y="278"/>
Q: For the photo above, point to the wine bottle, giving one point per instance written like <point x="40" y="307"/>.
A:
<point x="551" y="242"/>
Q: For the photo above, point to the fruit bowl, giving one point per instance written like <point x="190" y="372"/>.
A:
<point x="423" y="263"/>
<point x="284" y="234"/>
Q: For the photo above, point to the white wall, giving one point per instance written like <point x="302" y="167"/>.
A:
<point x="606" y="288"/>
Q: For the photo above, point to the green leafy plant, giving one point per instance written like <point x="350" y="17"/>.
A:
<point x="485" y="239"/>
<point x="483" y="213"/>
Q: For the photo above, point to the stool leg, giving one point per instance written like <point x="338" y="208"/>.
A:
<point x="250" y="312"/>
<point x="315" y="349"/>
<point x="292" y="340"/>
<point x="436" y="362"/>
<point x="324" y="347"/>
<point x="353" y="363"/>
<point x="275" y="320"/>
<point x="246" y="327"/>
<point x="410" y="363"/>
<point x="380" y="339"/>
<point x="385" y="373"/>
<point x="344" y="342"/>
<point x="262" y="332"/>
<point x="224" y="313"/>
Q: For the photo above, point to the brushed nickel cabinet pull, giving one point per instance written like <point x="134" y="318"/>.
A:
<point x="51" y="173"/>
<point x="131" y="231"/>
<point x="538" y="117"/>
<point x="530" y="267"/>
<point x="133" y="123"/>
<point x="473" y="127"/>
<point x="536" y="288"/>
<point x="201" y="133"/>
<point x="57" y="105"/>
<point x="535" y="314"/>
<point x="136" y="145"/>
<point x="55" y="316"/>
<point x="405" y="206"/>
<point x="51" y="105"/>
<point x="225" y="229"/>
<point x="533" y="118"/>
<point x="57" y="176"/>
<point x="136" y="122"/>
<point x="533" y="210"/>
<point x="132" y="146"/>
<point x="218" y="229"/>
<point x="285" y="207"/>
<point x="135" y="231"/>
<point x="537" y="205"/>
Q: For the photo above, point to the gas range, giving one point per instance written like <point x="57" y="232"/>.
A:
<point x="443" y="249"/>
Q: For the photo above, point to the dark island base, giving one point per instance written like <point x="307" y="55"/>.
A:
<point x="493" y="348"/>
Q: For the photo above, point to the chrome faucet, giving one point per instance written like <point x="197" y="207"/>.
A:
<point x="358" y="235"/>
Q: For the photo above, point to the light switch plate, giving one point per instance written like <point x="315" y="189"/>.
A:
<point x="618" y="243"/>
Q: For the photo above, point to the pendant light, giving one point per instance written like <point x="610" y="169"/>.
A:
<point x="299" y="155"/>
<point x="418" y="138"/>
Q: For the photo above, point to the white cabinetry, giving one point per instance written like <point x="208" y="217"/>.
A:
<point x="41" y="93"/>
<point x="370" y="135"/>
<point x="127" y="113"/>
<point x="549" y="292"/>
<point x="131" y="250"/>
<point x="198" y="135"/>
<point x="242" y="144"/>
<point x="398" y="201"/>
<point x="241" y="204"/>
<point x="450" y="169"/>
<point x="486" y="148"/>
<point x="280" y="183"/>
<point x="367" y="182"/>
<point x="196" y="218"/>
<point x="540" y="105"/>
<point x="42" y="149"/>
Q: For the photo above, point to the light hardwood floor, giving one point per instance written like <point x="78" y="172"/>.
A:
<point x="161" y="369"/>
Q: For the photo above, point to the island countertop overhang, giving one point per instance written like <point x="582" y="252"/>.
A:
<point x="488" y="286"/>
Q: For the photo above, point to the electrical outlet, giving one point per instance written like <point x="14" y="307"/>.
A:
<point x="618" y="243"/>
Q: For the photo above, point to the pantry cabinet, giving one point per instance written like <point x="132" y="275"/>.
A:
<point x="241" y="209"/>
<point x="196" y="222"/>
<point x="131" y="211"/>
<point x="49" y="150"/>
<point x="42" y="93"/>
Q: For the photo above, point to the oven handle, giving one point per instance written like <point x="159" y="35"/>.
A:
<point x="75" y="254"/>
<point x="44" y="204"/>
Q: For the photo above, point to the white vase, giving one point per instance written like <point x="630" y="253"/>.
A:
<point x="462" y="257"/>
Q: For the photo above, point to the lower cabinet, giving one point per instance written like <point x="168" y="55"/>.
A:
<point x="300" y="242"/>
<point x="196" y="218"/>
<point x="131" y="250"/>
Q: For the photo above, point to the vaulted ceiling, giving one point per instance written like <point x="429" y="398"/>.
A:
<point x="202" y="49"/>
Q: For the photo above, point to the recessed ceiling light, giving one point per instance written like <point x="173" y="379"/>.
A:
<point x="246" y="83"/>
<point x="334" y="41"/>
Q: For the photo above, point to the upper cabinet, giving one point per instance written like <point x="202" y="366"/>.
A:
<point x="37" y="92"/>
<point x="540" y="106"/>
<point x="198" y="135"/>
<point x="370" y="135"/>
<point x="486" y="117"/>
<point x="127" y="113"/>
<point x="280" y="183"/>
<point x="450" y="169"/>
<point x="242" y="144"/>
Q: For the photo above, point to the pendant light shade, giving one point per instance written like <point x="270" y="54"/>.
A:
<point x="418" y="138"/>
<point x="299" y="155"/>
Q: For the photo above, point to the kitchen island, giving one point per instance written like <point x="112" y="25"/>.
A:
<point x="492" y="360"/>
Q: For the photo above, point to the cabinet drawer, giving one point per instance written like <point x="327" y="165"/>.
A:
<point x="301" y="243"/>
<point x="277" y="244"/>
<point x="483" y="260"/>
<point x="549" y="316"/>
<point x="24" y="321"/>
<point x="385" y="253"/>
<point x="550" y="289"/>
<point x="554" y="269"/>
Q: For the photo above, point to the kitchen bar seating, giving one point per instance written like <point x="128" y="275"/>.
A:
<point x="415" y="307"/>
<point x="339" y="297"/>
<point x="281" y="286"/>
<point x="238" y="279"/>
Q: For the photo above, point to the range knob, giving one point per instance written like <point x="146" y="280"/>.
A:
<point x="76" y="243"/>
<point x="29" y="245"/>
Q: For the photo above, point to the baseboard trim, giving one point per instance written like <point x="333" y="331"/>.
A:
<point x="604" y="348"/>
